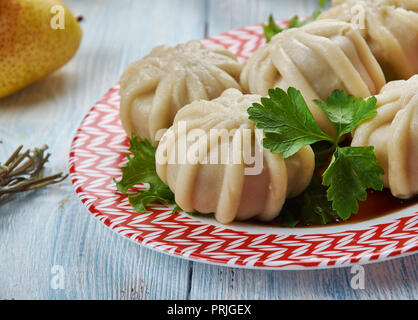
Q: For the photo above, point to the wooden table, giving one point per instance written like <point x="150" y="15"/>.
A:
<point x="50" y="227"/>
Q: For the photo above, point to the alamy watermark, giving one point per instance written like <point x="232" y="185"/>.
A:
<point x="58" y="19"/>
<point x="216" y="146"/>
<point x="57" y="277"/>
<point x="357" y="281"/>
<point x="359" y="16"/>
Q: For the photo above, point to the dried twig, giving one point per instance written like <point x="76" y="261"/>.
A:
<point x="23" y="172"/>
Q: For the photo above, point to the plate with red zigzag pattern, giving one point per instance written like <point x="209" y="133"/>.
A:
<point x="98" y="151"/>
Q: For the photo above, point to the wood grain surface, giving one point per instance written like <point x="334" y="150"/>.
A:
<point x="51" y="227"/>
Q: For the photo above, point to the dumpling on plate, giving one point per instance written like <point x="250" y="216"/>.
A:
<point x="316" y="59"/>
<point x="154" y="88"/>
<point x="394" y="134"/>
<point x="406" y="4"/>
<point x="226" y="170"/>
<point x="390" y="28"/>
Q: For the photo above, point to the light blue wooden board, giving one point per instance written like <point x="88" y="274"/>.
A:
<point x="52" y="227"/>
<point x="397" y="279"/>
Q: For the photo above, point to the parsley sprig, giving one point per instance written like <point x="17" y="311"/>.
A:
<point x="289" y="125"/>
<point x="141" y="169"/>
<point x="271" y="29"/>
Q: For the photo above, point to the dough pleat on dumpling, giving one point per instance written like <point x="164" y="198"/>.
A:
<point x="390" y="28"/>
<point x="394" y="134"/>
<point x="316" y="59"/>
<point x="405" y="4"/>
<point x="154" y="88"/>
<point x="224" y="188"/>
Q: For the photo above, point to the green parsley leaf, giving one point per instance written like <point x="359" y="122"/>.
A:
<point x="323" y="151"/>
<point x="295" y="22"/>
<point x="271" y="29"/>
<point x="288" y="126"/>
<point x="316" y="208"/>
<point x="290" y="215"/>
<point x="287" y="122"/>
<point x="345" y="112"/>
<point x="322" y="3"/>
<point x="351" y="172"/>
<point x="310" y="208"/>
<point x="141" y="169"/>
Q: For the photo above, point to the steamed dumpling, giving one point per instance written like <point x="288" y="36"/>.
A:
<point x="316" y="59"/>
<point x="154" y="88"/>
<point x="224" y="188"/>
<point x="406" y="4"/>
<point x="394" y="134"/>
<point x="390" y="29"/>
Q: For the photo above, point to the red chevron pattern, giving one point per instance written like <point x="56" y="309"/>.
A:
<point x="98" y="150"/>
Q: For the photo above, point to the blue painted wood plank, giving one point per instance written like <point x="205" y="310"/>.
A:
<point x="396" y="279"/>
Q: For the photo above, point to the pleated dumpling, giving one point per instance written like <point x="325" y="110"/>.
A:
<point x="390" y="28"/>
<point x="316" y="59"/>
<point x="234" y="187"/>
<point x="394" y="134"/>
<point x="154" y="88"/>
<point x="406" y="4"/>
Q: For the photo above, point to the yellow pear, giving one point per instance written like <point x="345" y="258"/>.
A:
<point x="36" y="38"/>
